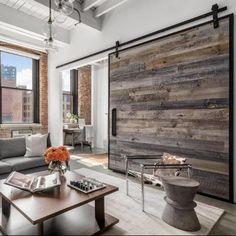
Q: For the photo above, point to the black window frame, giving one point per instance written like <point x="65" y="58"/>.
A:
<point x="35" y="90"/>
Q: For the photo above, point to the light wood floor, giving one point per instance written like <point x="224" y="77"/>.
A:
<point x="225" y="226"/>
<point x="98" y="162"/>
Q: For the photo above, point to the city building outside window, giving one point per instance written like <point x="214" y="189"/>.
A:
<point x="18" y="89"/>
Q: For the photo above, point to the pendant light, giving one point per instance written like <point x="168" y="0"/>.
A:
<point x="64" y="9"/>
<point x="49" y="31"/>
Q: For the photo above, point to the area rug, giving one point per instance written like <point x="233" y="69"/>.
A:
<point x="135" y="222"/>
<point x="91" y="160"/>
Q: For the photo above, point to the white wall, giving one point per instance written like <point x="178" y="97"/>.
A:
<point x="100" y="105"/>
<point x="133" y="19"/>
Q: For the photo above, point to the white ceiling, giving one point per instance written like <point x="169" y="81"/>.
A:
<point x="26" y="17"/>
<point x="35" y="9"/>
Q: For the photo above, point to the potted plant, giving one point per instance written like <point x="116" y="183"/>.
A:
<point x="72" y="118"/>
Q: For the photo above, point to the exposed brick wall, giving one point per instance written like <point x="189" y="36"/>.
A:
<point x="5" y="132"/>
<point x="84" y="90"/>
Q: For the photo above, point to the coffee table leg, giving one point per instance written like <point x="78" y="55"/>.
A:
<point x="40" y="228"/>
<point x="100" y="212"/>
<point x="6" y="207"/>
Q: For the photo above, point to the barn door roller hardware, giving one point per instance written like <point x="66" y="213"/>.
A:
<point x="117" y="48"/>
<point x="215" y="9"/>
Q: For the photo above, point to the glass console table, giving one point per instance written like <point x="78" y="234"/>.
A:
<point x="150" y="162"/>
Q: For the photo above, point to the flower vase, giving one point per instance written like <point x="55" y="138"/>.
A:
<point x="58" y="166"/>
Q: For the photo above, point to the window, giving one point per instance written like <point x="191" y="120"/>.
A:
<point x="67" y="94"/>
<point x="18" y="89"/>
<point x="70" y="92"/>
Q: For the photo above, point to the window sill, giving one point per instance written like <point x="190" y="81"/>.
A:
<point x="20" y="125"/>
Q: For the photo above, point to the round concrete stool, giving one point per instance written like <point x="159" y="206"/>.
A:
<point x="179" y="210"/>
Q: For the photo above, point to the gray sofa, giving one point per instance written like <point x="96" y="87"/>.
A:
<point x="12" y="157"/>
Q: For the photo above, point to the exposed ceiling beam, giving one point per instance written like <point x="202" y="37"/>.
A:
<point x="108" y="6"/>
<point x="29" y="26"/>
<point x="88" y="4"/>
<point x="20" y="40"/>
<point x="87" y="17"/>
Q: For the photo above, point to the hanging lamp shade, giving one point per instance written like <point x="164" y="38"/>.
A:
<point x="50" y="44"/>
<point x="49" y="30"/>
<point x="64" y="6"/>
<point x="60" y="17"/>
<point x="68" y="8"/>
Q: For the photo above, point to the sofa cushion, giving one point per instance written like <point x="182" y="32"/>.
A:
<point x="12" y="147"/>
<point x="24" y="163"/>
<point x="5" y="168"/>
<point x="36" y="145"/>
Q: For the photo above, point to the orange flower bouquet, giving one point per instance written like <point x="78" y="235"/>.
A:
<point x="58" y="159"/>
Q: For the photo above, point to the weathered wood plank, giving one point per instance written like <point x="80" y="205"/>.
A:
<point x="178" y="133"/>
<point x="159" y="61"/>
<point x="176" y="73"/>
<point x="189" y="90"/>
<point x="184" y="104"/>
<point x="147" y="148"/>
<point x="192" y="39"/>
<point x="177" y="114"/>
<point x="144" y="139"/>
<point x="212" y="183"/>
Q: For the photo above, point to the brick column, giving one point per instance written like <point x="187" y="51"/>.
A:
<point x="84" y="93"/>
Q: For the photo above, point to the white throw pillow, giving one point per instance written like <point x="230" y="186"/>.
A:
<point x="36" y="145"/>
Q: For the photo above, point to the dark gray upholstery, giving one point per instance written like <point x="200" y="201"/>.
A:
<point x="5" y="168"/>
<point x="12" y="147"/>
<point x="12" y="151"/>
<point x="24" y="163"/>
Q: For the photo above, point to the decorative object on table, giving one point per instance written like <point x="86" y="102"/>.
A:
<point x="58" y="159"/>
<point x="87" y="185"/>
<point x="170" y="159"/>
<point x="72" y="118"/>
<point x="179" y="210"/>
<point x="32" y="183"/>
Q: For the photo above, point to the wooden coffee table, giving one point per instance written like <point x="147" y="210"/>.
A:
<point x="60" y="211"/>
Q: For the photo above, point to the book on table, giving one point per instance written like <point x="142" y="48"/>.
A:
<point x="33" y="183"/>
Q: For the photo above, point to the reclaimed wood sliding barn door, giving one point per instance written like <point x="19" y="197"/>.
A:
<point x="175" y="94"/>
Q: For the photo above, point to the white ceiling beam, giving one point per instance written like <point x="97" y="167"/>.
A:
<point x="108" y="6"/>
<point x="88" y="4"/>
<point x="87" y="17"/>
<point x="21" y="23"/>
<point x="22" y="41"/>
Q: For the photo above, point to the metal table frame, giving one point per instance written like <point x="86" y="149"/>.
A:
<point x="148" y="166"/>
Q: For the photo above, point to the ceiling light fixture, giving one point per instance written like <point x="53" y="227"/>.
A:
<point x="49" y="31"/>
<point x="64" y="8"/>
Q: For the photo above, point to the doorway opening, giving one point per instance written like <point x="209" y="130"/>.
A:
<point x="85" y="110"/>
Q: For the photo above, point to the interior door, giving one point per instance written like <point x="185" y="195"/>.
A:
<point x="175" y="94"/>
